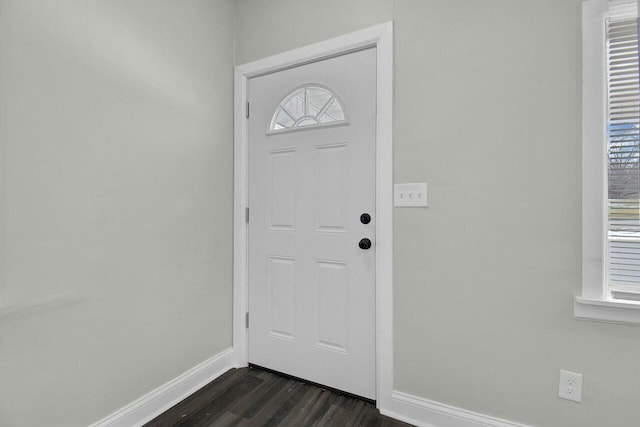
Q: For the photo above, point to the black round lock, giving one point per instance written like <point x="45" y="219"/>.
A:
<point x="365" y="218"/>
<point x="365" y="243"/>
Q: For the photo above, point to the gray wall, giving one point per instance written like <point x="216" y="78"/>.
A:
<point x="487" y="111"/>
<point x="116" y="190"/>
<point x="116" y="194"/>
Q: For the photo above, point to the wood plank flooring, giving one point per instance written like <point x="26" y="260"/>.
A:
<point x="252" y="397"/>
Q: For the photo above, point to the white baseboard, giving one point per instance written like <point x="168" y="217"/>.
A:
<point x="167" y="395"/>
<point x="404" y="407"/>
<point x="427" y="413"/>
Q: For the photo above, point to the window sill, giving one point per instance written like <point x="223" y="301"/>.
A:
<point x="610" y="311"/>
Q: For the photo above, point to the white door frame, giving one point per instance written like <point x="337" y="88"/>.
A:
<point x="381" y="37"/>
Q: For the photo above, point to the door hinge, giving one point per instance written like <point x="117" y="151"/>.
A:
<point x="246" y="319"/>
<point x="246" y="214"/>
<point x="247" y="110"/>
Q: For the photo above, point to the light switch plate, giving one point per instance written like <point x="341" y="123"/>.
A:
<point x="412" y="195"/>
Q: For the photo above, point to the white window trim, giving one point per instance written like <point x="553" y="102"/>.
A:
<point x="595" y="301"/>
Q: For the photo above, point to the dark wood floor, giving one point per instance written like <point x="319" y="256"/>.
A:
<point x="252" y="397"/>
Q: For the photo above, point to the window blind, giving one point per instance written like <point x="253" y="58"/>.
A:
<point x="623" y="150"/>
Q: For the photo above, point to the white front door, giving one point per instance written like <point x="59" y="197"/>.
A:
<point x="312" y="218"/>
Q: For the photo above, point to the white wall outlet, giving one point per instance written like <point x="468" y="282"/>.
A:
<point x="570" y="386"/>
<point x="414" y="195"/>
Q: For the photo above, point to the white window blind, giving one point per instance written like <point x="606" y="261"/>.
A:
<point x="623" y="154"/>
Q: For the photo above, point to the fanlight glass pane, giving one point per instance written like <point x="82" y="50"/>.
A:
<point x="308" y="106"/>
<point x="282" y="120"/>
<point x="333" y="113"/>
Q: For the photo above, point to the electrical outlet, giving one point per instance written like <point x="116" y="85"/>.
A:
<point x="570" y="386"/>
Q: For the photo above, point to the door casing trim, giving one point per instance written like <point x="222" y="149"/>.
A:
<point x="381" y="37"/>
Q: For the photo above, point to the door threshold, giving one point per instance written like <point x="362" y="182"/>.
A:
<point x="335" y="390"/>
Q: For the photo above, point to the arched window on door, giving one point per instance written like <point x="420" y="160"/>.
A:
<point x="308" y="106"/>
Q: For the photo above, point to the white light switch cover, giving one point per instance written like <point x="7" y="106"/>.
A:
<point x="414" y="195"/>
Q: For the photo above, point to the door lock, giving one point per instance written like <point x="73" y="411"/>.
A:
<point x="364" y="243"/>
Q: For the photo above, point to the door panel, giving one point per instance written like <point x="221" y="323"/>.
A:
<point x="282" y="190"/>
<point x="282" y="297"/>
<point x="331" y="201"/>
<point x="311" y="287"/>
<point x="333" y="305"/>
